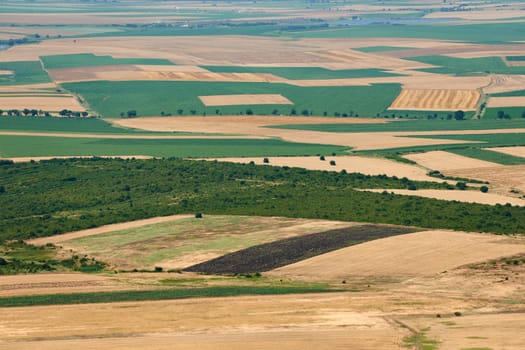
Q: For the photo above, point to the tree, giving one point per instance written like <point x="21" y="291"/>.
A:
<point x="249" y="112"/>
<point x="523" y="114"/>
<point x="484" y="189"/>
<point x="459" y="115"/>
<point x="321" y="158"/>
<point x="132" y="114"/>
<point x="266" y="161"/>
<point x="501" y="114"/>
<point x="332" y="162"/>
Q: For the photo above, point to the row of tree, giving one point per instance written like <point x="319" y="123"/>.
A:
<point x="26" y="112"/>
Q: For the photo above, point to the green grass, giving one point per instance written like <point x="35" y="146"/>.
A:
<point x="34" y="146"/>
<point x="515" y="58"/>
<point x="489" y="156"/>
<point x="411" y="125"/>
<point x="24" y="72"/>
<point x="69" y="125"/>
<point x="373" y="49"/>
<point x="480" y="33"/>
<point x="89" y="60"/>
<point x="510" y="93"/>
<point x="150" y="98"/>
<point x="305" y="73"/>
<point x="167" y="294"/>
<point x="467" y="66"/>
<point x="420" y="341"/>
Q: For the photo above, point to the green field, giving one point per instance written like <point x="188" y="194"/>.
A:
<point x="516" y="113"/>
<point x="305" y="73"/>
<point x="89" y="60"/>
<point x="411" y="125"/>
<point x="372" y="49"/>
<point x="24" y="72"/>
<point x="151" y="98"/>
<point x="35" y="146"/>
<point x="69" y="125"/>
<point x="489" y="156"/>
<point x="473" y="149"/>
<point x="166" y="294"/>
<point x="467" y="66"/>
<point x="478" y="33"/>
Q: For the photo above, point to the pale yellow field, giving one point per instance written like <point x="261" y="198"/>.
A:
<point x="229" y="100"/>
<point x="517" y="151"/>
<point x="415" y="254"/>
<point x="505" y="179"/>
<point x="505" y="83"/>
<point x="443" y="161"/>
<point x="509" y="101"/>
<point x="51" y="103"/>
<point x="435" y="100"/>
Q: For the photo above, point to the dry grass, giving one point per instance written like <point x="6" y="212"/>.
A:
<point x="509" y="101"/>
<point x="51" y="103"/>
<point x="442" y="161"/>
<point x="518" y="151"/>
<point x="228" y="100"/>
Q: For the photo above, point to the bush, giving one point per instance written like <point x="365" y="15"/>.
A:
<point x="484" y="189"/>
<point x="321" y="158"/>
<point x="412" y="187"/>
<point x="198" y="215"/>
<point x="266" y="161"/>
<point x="461" y="185"/>
<point x="332" y="162"/>
<point x="158" y="269"/>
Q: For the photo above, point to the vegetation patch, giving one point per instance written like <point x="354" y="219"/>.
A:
<point x="153" y="98"/>
<point x="272" y="255"/>
<point x="467" y="66"/>
<point x="166" y="294"/>
<point x="51" y="197"/>
<point x="33" y="146"/>
<point x="304" y="73"/>
<point x="90" y="60"/>
<point x="24" y="72"/>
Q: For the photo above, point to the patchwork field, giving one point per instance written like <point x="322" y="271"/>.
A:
<point x="431" y="100"/>
<point x="305" y="215"/>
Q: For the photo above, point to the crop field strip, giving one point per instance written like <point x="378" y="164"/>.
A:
<point x="272" y="255"/>
<point x="452" y="100"/>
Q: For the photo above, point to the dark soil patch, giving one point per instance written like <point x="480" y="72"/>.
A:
<point x="272" y="255"/>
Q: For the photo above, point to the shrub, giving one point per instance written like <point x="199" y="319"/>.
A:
<point x="461" y="185"/>
<point x="332" y="162"/>
<point x="198" y="215"/>
<point x="321" y="158"/>
<point x="266" y="161"/>
<point x="484" y="189"/>
<point x="158" y="269"/>
<point x="412" y="187"/>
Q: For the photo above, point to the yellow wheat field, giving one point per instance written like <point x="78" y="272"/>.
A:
<point x="436" y="100"/>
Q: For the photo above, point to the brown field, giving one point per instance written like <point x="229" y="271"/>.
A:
<point x="51" y="103"/>
<point x="357" y="164"/>
<point x="403" y="256"/>
<point x="510" y="101"/>
<point x="435" y="100"/>
<point x="460" y="196"/>
<point x="228" y="100"/>
<point x="518" y="151"/>
<point x="442" y="161"/>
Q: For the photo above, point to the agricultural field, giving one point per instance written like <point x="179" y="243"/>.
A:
<point x="267" y="174"/>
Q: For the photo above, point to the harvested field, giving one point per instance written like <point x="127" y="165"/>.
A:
<point x="509" y="101"/>
<point x="416" y="254"/>
<point x="460" y="196"/>
<point x="51" y="103"/>
<point x="352" y="164"/>
<point x="505" y="83"/>
<point x="444" y="161"/>
<point x="507" y="179"/>
<point x="436" y="100"/>
<point x="484" y="14"/>
<point x="55" y="283"/>
<point x="269" y="256"/>
<point x="518" y="151"/>
<point x="229" y="100"/>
